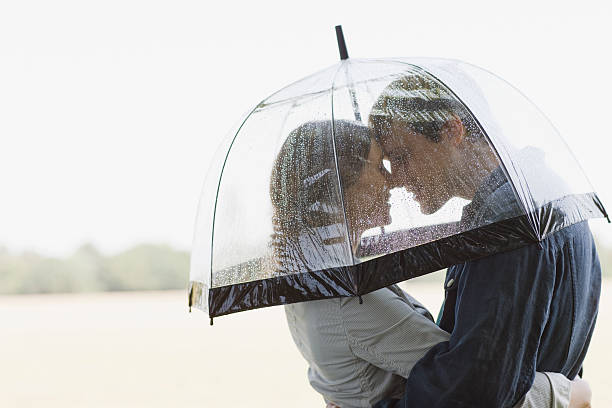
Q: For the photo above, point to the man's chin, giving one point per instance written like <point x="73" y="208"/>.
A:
<point x="429" y="209"/>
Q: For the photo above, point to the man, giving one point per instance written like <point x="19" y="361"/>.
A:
<point x="510" y="314"/>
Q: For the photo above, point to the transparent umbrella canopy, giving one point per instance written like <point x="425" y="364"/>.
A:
<point x="374" y="171"/>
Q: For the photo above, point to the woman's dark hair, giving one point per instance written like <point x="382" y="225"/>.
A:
<point x="304" y="182"/>
<point x="305" y="193"/>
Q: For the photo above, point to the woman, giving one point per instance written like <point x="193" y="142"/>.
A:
<point x="358" y="354"/>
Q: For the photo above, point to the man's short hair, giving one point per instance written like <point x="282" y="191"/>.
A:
<point x="423" y="103"/>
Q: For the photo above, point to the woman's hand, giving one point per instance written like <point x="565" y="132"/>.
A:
<point x="580" y="396"/>
<point x="332" y="405"/>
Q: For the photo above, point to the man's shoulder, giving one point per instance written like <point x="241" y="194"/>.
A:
<point x="501" y="204"/>
<point x="576" y="230"/>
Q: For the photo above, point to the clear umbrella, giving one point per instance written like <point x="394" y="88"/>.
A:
<point x="301" y="203"/>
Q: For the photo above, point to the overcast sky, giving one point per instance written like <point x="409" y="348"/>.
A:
<point x="110" y="110"/>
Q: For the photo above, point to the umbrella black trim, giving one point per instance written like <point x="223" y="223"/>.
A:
<point x="501" y="236"/>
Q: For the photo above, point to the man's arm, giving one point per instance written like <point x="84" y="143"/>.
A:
<point x="501" y="311"/>
<point x="396" y="338"/>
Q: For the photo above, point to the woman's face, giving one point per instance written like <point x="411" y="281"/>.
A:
<point x="367" y="200"/>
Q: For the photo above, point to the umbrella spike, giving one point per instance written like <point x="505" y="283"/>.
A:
<point x="341" y="43"/>
<point x="360" y="300"/>
<point x="211" y="321"/>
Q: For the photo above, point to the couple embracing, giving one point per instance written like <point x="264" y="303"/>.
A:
<point x="515" y="326"/>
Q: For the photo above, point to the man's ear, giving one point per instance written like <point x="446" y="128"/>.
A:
<point x="453" y="131"/>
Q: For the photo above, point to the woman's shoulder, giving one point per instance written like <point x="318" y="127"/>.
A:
<point x="314" y="310"/>
<point x="380" y="309"/>
<point x="390" y="295"/>
<point x="375" y="310"/>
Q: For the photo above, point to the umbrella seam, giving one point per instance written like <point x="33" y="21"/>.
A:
<point x="501" y="162"/>
<point x="229" y="150"/>
<point x="221" y="176"/>
<point x="333" y="129"/>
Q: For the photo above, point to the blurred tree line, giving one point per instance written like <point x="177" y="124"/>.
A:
<point x="143" y="267"/>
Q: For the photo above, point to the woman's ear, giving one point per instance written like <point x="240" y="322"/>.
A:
<point x="453" y="131"/>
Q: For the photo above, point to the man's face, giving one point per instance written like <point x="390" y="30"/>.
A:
<point x="420" y="165"/>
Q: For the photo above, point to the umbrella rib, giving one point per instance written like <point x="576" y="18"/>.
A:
<point x="348" y="237"/>
<point x="352" y="94"/>
<point x="495" y="149"/>
<point x="559" y="135"/>
<point x="212" y="241"/>
<point x="230" y="148"/>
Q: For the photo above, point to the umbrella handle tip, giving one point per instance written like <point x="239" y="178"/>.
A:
<point x="341" y="43"/>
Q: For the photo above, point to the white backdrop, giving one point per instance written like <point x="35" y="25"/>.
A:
<point x="110" y="111"/>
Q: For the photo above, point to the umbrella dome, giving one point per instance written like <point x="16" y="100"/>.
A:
<point x="235" y="262"/>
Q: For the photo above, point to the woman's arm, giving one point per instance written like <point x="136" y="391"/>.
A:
<point x="387" y="331"/>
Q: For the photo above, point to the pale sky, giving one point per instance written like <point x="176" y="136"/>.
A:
<point x="110" y="110"/>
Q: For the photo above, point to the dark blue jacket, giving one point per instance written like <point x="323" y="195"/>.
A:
<point x="509" y="315"/>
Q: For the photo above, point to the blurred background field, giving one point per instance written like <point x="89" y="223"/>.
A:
<point x="112" y="330"/>
<point x="143" y="349"/>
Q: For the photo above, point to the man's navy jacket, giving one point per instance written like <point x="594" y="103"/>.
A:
<point x="509" y="315"/>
